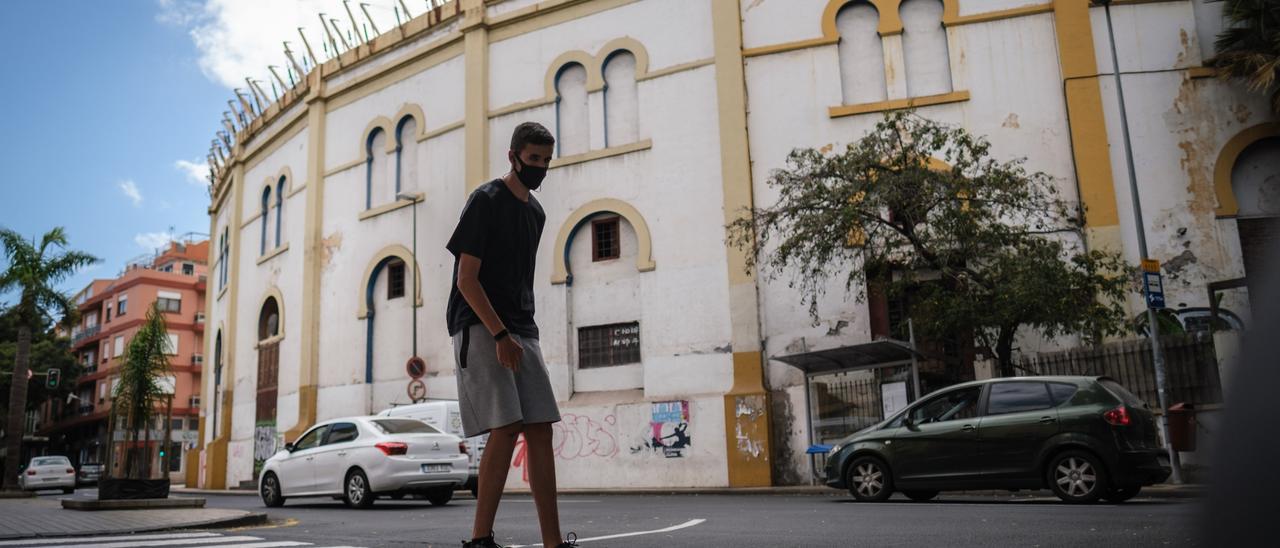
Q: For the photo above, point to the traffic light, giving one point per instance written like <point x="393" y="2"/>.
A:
<point x="52" y="377"/>
<point x="162" y="453"/>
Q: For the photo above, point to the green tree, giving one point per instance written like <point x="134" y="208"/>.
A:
<point x="48" y="350"/>
<point x="1249" y="48"/>
<point x="139" y="392"/>
<point x="33" y="270"/>
<point x="983" y="247"/>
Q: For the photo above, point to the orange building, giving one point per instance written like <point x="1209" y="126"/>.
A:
<point x="111" y="312"/>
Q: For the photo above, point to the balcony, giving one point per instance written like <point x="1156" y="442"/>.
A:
<point x="84" y="334"/>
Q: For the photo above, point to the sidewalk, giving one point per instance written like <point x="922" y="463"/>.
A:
<point x="1164" y="490"/>
<point x="45" y="517"/>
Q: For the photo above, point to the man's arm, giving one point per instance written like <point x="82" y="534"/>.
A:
<point x="509" y="352"/>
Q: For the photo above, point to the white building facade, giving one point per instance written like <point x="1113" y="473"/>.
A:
<point x="669" y="116"/>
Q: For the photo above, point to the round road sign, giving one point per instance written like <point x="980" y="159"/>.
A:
<point x="416" y="367"/>
<point x="417" y="390"/>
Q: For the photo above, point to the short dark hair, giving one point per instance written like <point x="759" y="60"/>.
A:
<point x="530" y="133"/>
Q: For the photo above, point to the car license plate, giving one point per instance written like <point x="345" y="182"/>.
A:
<point x="51" y="479"/>
<point x="435" y="468"/>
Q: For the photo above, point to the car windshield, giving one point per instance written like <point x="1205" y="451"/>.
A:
<point x="404" y="426"/>
<point x="51" y="461"/>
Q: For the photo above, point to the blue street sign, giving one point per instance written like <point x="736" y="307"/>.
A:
<point x="1153" y="288"/>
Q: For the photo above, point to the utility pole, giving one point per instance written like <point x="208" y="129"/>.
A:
<point x="1157" y="352"/>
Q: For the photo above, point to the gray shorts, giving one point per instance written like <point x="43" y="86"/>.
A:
<point x="490" y="395"/>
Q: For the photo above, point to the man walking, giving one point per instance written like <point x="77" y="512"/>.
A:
<point x="503" y="387"/>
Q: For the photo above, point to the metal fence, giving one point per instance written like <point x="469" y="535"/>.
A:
<point x="1191" y="367"/>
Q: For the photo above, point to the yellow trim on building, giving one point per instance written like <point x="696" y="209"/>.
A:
<point x="746" y="409"/>
<point x="272" y="292"/>
<point x="898" y="104"/>
<point x="476" y="100"/>
<point x="387" y="208"/>
<point x="1090" y="147"/>
<point x="273" y="254"/>
<point x="619" y="150"/>
<point x="644" y="239"/>
<point x="1226" y="162"/>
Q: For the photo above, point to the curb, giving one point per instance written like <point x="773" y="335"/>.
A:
<point x="233" y="492"/>
<point x="249" y="518"/>
<point x="1161" y="491"/>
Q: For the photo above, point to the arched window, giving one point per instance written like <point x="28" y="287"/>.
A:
<point x="222" y="260"/>
<point x="269" y="319"/>
<point x="861" y="54"/>
<point x="266" y="212"/>
<point x="217" y="379"/>
<point x="375" y="188"/>
<point x="924" y="44"/>
<point x="406" y="160"/>
<point x="621" y="100"/>
<point x="573" y="135"/>
<point x="279" y="207"/>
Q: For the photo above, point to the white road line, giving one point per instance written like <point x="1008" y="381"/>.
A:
<point x="218" y="541"/>
<point x="47" y="541"/>
<point x="684" y="525"/>
<point x="266" y="544"/>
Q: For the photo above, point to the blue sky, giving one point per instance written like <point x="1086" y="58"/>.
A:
<point x="98" y="96"/>
<point x="110" y="108"/>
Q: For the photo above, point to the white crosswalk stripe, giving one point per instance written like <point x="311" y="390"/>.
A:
<point x="182" y="540"/>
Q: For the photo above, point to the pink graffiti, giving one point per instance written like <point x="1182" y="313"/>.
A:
<point x="574" y="437"/>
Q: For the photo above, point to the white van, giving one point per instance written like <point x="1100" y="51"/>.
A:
<point x="443" y="415"/>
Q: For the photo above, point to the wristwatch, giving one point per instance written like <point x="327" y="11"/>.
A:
<point x="501" y="335"/>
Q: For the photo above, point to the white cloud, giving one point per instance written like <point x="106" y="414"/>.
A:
<point x="130" y="190"/>
<point x="240" y="38"/>
<point x="194" y="171"/>
<point x="152" y="241"/>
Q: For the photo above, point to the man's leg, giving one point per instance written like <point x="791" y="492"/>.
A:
<point x="542" y="480"/>
<point x="494" y="466"/>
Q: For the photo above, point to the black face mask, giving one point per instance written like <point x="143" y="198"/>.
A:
<point x="530" y="176"/>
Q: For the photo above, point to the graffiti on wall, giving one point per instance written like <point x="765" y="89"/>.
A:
<point x="749" y="428"/>
<point x="668" y="431"/>
<point x="574" y="437"/>
<point x="264" y="444"/>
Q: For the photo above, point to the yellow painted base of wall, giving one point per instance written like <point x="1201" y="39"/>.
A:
<point x="747" y="436"/>
<point x="216" y="465"/>
<point x="192" y="462"/>
<point x="306" y="413"/>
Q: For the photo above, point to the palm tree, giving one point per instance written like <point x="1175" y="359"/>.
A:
<point x="1249" y="48"/>
<point x="145" y="362"/>
<point x="33" y="270"/>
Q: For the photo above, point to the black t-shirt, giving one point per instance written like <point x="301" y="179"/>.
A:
<point x="503" y="232"/>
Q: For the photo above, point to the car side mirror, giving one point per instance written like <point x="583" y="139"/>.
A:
<point x="910" y="424"/>
<point x="288" y="447"/>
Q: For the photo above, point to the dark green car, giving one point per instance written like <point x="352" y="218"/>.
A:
<point x="1085" y="438"/>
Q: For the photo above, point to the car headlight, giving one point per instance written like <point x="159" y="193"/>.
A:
<point x="834" y="449"/>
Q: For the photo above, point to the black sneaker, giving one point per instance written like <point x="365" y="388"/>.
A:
<point x="482" y="542"/>
<point x="570" y="542"/>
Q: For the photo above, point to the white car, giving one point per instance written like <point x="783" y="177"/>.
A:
<point x="48" y="473"/>
<point x="359" y="459"/>
<point x="443" y="415"/>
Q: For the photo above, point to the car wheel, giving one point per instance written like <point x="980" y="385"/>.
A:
<point x="357" y="493"/>
<point x="869" y="480"/>
<point x="440" y="496"/>
<point x="272" y="495"/>
<point x="1121" y="494"/>
<point x="1077" y="477"/>
<point x="920" y="496"/>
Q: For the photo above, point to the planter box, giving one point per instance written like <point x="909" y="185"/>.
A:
<point x="128" y="489"/>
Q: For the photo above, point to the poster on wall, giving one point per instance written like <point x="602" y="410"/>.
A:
<point x="669" y="424"/>
<point x="894" y="397"/>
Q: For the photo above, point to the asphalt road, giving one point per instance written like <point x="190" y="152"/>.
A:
<point x="740" y="520"/>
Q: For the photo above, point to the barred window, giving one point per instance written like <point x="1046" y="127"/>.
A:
<point x="606" y="345"/>
<point x="395" y="280"/>
<point x="606" y="239"/>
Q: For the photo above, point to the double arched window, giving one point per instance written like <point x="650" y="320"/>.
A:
<point x="597" y="99"/>
<point x="272" y="215"/>
<point x="919" y="46"/>
<point x="391" y="168"/>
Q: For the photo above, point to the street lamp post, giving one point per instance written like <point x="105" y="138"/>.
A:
<point x="1157" y="353"/>
<point x="414" y="254"/>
